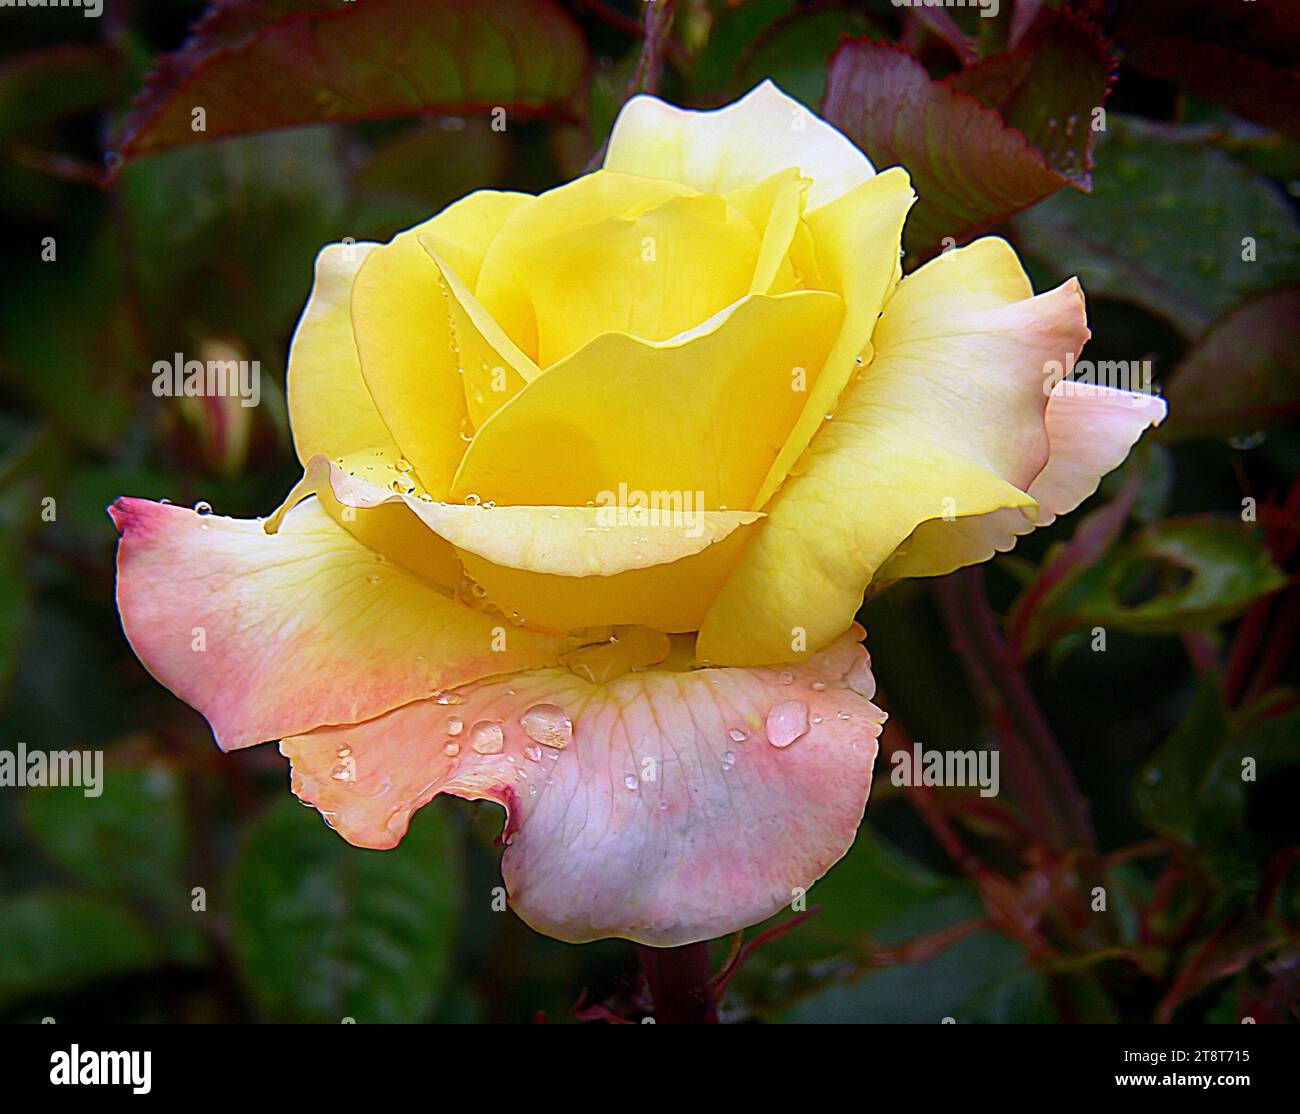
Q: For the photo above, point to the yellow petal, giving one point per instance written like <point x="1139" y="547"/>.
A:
<point x="651" y="276"/>
<point x="591" y="198"/>
<point x="856" y="240"/>
<point x="946" y="422"/>
<point x="404" y="340"/>
<point x="330" y="409"/>
<point x="701" y="416"/>
<point x="558" y="568"/>
<point x="714" y="152"/>
<point x="774" y="207"/>
<point x="463" y="231"/>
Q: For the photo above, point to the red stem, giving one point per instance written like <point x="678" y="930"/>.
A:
<point x="1037" y="772"/>
<point x="680" y="981"/>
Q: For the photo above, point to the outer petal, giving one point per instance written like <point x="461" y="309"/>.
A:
<point x="947" y="421"/>
<point x="856" y="241"/>
<point x="667" y="818"/>
<point x="1091" y="430"/>
<point x="331" y="410"/>
<point x="743" y="143"/>
<point x="561" y="568"/>
<point x="270" y="635"/>
<point x="703" y="412"/>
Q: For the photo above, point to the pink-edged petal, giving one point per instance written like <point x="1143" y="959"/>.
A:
<point x="1090" y="430"/>
<point x="666" y="816"/>
<point x="274" y="634"/>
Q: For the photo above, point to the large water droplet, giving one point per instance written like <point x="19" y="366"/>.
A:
<point x="548" y="724"/>
<point x="787" y="722"/>
<point x="486" y="737"/>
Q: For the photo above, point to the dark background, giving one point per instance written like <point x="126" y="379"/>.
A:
<point x="948" y="904"/>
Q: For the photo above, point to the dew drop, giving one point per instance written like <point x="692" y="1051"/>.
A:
<point x="451" y="749"/>
<point x="819" y="686"/>
<point x="787" y="722"/>
<point x="729" y="760"/>
<point x="738" y="734"/>
<point x="486" y="737"/>
<point x="548" y="724"/>
<point x="455" y="725"/>
<point x="472" y="500"/>
<point x="533" y="753"/>
<point x="448" y="698"/>
<point x="202" y="507"/>
<point x="630" y="781"/>
<point x="786" y="678"/>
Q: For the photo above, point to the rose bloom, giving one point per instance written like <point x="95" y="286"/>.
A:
<point x="594" y="483"/>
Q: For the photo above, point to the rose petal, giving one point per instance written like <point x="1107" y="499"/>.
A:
<point x="272" y="634"/>
<point x="555" y="567"/>
<point x="946" y="421"/>
<point x="704" y="412"/>
<point x="743" y="143"/>
<point x="1091" y="430"/>
<point x="659" y="822"/>
<point x="330" y="409"/>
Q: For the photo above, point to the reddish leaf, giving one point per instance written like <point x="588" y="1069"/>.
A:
<point x="1240" y="54"/>
<point x="970" y="167"/>
<point x="256" y="66"/>
<point x="1244" y="374"/>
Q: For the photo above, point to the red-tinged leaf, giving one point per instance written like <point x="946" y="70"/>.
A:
<point x="253" y="66"/>
<point x="971" y="169"/>
<point x="1244" y="374"/>
<point x="1240" y="54"/>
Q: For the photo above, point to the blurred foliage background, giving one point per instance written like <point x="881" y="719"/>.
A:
<point x="129" y="237"/>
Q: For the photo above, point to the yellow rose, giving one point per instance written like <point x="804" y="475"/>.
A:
<point x="594" y="482"/>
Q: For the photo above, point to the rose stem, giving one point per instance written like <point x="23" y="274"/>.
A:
<point x="679" y="980"/>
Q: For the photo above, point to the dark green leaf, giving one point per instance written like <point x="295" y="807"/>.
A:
<point x="326" y="930"/>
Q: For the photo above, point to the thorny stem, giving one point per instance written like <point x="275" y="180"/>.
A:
<point x="680" y="981"/>
<point x="1036" y="770"/>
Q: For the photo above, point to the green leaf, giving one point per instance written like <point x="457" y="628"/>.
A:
<point x="131" y="840"/>
<point x="255" y="66"/>
<point x="326" y="930"/>
<point x="46" y="85"/>
<point x="55" y="940"/>
<point x="1164" y="227"/>
<point x="1170" y="785"/>
<point x="1244" y="374"/>
<point x="15" y="603"/>
<point x="971" y="167"/>
<point x="1175" y="575"/>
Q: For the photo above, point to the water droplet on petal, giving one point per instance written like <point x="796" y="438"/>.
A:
<point x="630" y="781"/>
<point x="472" y="500"/>
<point x="786" y="678"/>
<point x="729" y="760"/>
<point x="533" y="753"/>
<point x="548" y="724"/>
<point x="819" y="686"/>
<point x="787" y="722"/>
<point x="738" y="734"/>
<point x="486" y="737"/>
<point x="455" y="725"/>
<point x="451" y="749"/>
<point x="202" y="507"/>
<point x="448" y="698"/>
